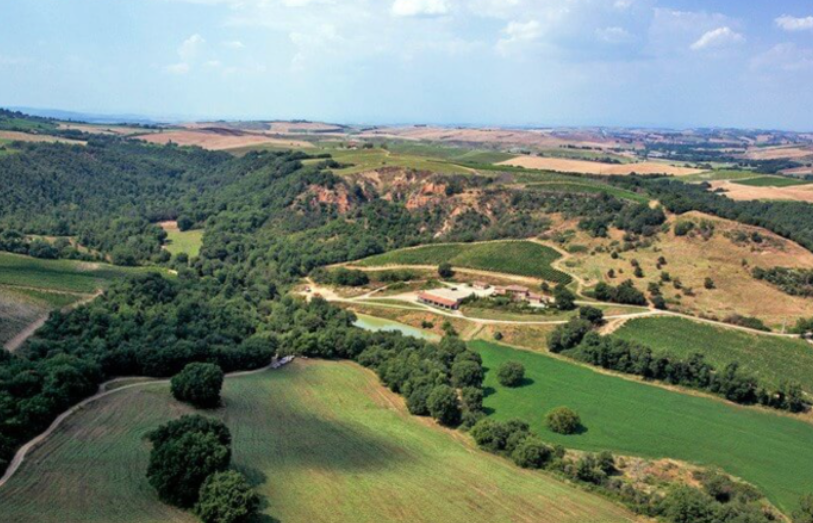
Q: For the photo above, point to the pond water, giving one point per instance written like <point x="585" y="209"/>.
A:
<point x="372" y="323"/>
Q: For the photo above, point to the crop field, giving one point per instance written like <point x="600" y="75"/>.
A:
<point x="585" y="187"/>
<point x="772" y="181"/>
<point x="717" y="175"/>
<point x="451" y="154"/>
<point x="363" y="160"/>
<point x="19" y="307"/>
<point x="771" y="451"/>
<point x="321" y="441"/>
<point x="590" y="167"/>
<point x="60" y="275"/>
<point x="522" y="258"/>
<point x="770" y="358"/>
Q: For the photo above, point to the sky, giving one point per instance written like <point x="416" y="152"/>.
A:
<point x="657" y="63"/>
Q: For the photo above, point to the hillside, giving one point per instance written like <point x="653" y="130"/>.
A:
<point x="321" y="441"/>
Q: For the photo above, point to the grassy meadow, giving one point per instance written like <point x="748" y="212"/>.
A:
<point x="188" y="242"/>
<point x="522" y="258"/>
<point x="362" y="160"/>
<point x="771" y="451"/>
<point x="21" y="307"/>
<point x="770" y="358"/>
<point x="321" y="441"/>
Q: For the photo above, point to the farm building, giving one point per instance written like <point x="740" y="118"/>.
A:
<point x="481" y="285"/>
<point x="514" y="291"/>
<point x="443" y="302"/>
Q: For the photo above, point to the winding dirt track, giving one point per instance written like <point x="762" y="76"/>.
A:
<point x="19" y="457"/>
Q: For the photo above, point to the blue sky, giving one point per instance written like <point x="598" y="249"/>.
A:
<point x="675" y="63"/>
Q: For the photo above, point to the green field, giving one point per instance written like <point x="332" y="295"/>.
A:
<point x="583" y="154"/>
<point x="586" y="187"/>
<point x="19" y="307"/>
<point x="369" y="159"/>
<point x="773" y="181"/>
<point x="523" y="258"/>
<point x="770" y="358"/>
<point x="772" y="451"/>
<point x="60" y="275"/>
<point x="722" y="174"/>
<point x="451" y="154"/>
<point x="322" y="442"/>
<point x="188" y="242"/>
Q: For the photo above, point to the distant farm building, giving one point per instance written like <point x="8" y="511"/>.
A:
<point x="481" y="285"/>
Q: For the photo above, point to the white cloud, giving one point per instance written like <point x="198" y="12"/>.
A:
<point x="720" y="37"/>
<point x="790" y="23"/>
<point x="613" y="35"/>
<point x="187" y="52"/>
<point x="315" y="42"/>
<point x="784" y="57"/>
<point x="190" y="47"/>
<point x="623" y="4"/>
<point x="234" y="44"/>
<point x="179" y="68"/>
<point x="419" y="7"/>
<point x="518" y="34"/>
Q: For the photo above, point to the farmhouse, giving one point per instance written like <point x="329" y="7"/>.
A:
<point x="517" y="292"/>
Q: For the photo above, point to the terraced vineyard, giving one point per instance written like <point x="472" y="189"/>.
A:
<point x="771" y="451"/>
<point x="522" y="258"/>
<point x="770" y="358"/>
<point x="322" y="441"/>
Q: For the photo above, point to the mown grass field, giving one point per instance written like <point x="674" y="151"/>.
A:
<point x="188" y="242"/>
<point x="772" y="181"/>
<point x="21" y="307"/>
<point x="770" y="358"/>
<point x="60" y="275"/>
<point x="322" y="442"/>
<point x="452" y="154"/>
<point x="772" y="451"/>
<point x="522" y="258"/>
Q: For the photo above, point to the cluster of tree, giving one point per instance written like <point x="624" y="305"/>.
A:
<point x="625" y="293"/>
<point x="188" y="468"/>
<point x="793" y="220"/>
<point x="341" y="276"/>
<point x="144" y="326"/>
<point x="718" y="499"/>
<point x="198" y="384"/>
<point x="18" y="243"/>
<point x="576" y="339"/>
<point x="796" y="282"/>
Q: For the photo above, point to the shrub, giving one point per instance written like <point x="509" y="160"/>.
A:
<point x="490" y="435"/>
<point x="688" y="505"/>
<point x="198" y="384"/>
<point x="683" y="228"/>
<point x="591" y="314"/>
<point x="562" y="420"/>
<point x="531" y="453"/>
<point x="569" y="335"/>
<point x="444" y="406"/>
<point x="804" y="514"/>
<point x="445" y="270"/>
<point x="511" y="374"/>
<point x="708" y="283"/>
<point x="226" y="497"/>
